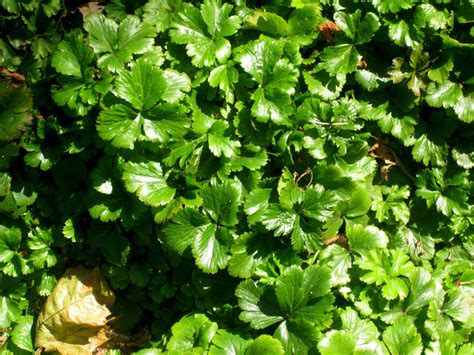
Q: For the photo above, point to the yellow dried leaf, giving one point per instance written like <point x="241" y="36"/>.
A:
<point x="74" y="318"/>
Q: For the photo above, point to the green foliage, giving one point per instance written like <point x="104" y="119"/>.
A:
<point x="251" y="177"/>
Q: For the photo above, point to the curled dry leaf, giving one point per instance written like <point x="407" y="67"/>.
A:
<point x="327" y="30"/>
<point x="74" y="318"/>
<point x="91" y="7"/>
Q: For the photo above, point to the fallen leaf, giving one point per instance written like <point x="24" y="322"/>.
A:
<point x="91" y="7"/>
<point x="74" y="318"/>
<point x="327" y="30"/>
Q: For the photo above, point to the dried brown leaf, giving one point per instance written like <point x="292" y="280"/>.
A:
<point x="74" y="317"/>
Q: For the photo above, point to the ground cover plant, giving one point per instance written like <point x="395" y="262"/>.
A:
<point x="236" y="177"/>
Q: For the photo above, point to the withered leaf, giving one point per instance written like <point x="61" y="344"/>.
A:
<point x="74" y="317"/>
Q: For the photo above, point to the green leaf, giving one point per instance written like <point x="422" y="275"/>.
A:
<point x="428" y="15"/>
<point x="9" y="312"/>
<point x="210" y="249"/>
<point x="445" y="94"/>
<point x="299" y="298"/>
<point x="248" y="252"/>
<point x="275" y="75"/>
<point x="209" y="242"/>
<point x="265" y="345"/>
<point x="295" y="289"/>
<point x="15" y="110"/>
<point x="40" y="240"/>
<point x="317" y="203"/>
<point x="147" y="181"/>
<point x="297" y="336"/>
<point x="390" y="203"/>
<point x="402" y="337"/>
<point x="392" y="6"/>
<point x="225" y="343"/>
<point x="422" y="289"/>
<point x="220" y="143"/>
<point x="365" y="238"/>
<point x="120" y="125"/>
<point x="12" y="6"/>
<point x="186" y="225"/>
<point x="204" y="31"/>
<point x="72" y="57"/>
<point x="280" y="219"/>
<point x="118" y="41"/>
<point x="10" y="239"/>
<point x="427" y="151"/>
<point x="257" y="304"/>
<point x="142" y="86"/>
<point x="357" y="30"/>
<point x="193" y="331"/>
<point x="267" y="22"/>
<point x="402" y="34"/>
<point x="160" y="13"/>
<point x="337" y="342"/>
<point x="386" y="268"/>
<point x="339" y="260"/>
<point x="340" y="59"/>
<point x="21" y="334"/>
<point x="447" y="192"/>
<point x="224" y="77"/>
<point x="322" y="84"/>
<point x="221" y="203"/>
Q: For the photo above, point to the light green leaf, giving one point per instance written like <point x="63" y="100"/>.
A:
<point x="265" y="345"/>
<point x="297" y="336"/>
<point x="147" y="181"/>
<point x="428" y="15"/>
<point x="160" y="13"/>
<point x="118" y="41"/>
<point x="9" y="312"/>
<point x="339" y="260"/>
<point x="279" y="219"/>
<point x="446" y="94"/>
<point x="220" y="143"/>
<point x="337" y="342"/>
<point x="21" y="334"/>
<point x="359" y="31"/>
<point x="427" y="151"/>
<point x="142" y="86"/>
<point x="257" y="304"/>
<point x="340" y="59"/>
<point x="191" y="332"/>
<point x="204" y="31"/>
<point x="422" y="289"/>
<point x="72" y="57"/>
<point x="365" y="238"/>
<point x="402" y="34"/>
<point x="276" y="77"/>
<point x="393" y="6"/>
<point x="225" y="343"/>
<point x="224" y="77"/>
<point x="120" y="125"/>
<point x="210" y="249"/>
<point x="295" y="289"/>
<point x="402" y="337"/>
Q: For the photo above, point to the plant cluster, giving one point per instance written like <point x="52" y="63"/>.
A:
<point x="251" y="177"/>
